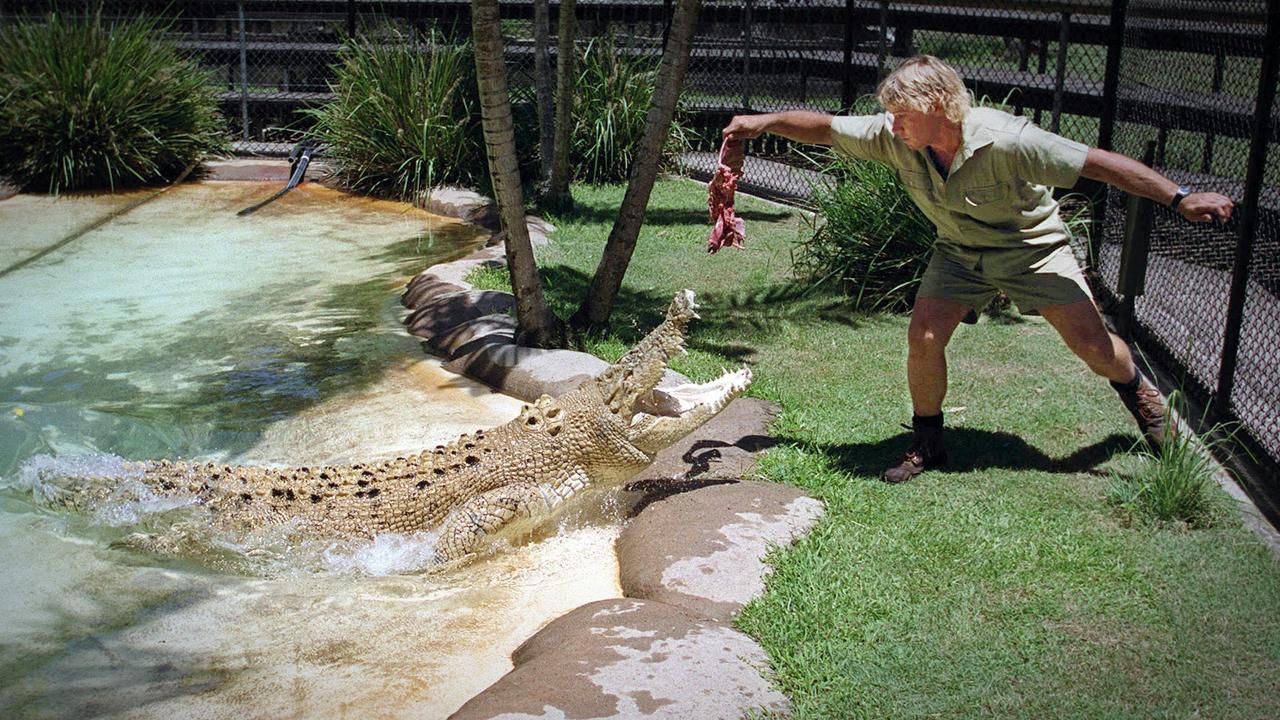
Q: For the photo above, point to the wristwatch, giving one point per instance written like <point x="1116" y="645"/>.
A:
<point x="1181" y="193"/>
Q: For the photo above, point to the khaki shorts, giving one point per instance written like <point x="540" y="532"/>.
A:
<point x="1031" y="277"/>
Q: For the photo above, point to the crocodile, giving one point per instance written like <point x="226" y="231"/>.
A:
<point x="605" y="431"/>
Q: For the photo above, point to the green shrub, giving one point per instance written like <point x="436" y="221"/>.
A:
<point x="868" y="236"/>
<point x="610" y="103"/>
<point x="1173" y="486"/>
<point x="405" y="117"/>
<point x="84" y="105"/>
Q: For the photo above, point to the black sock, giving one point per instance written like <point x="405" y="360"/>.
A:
<point x="1130" y="386"/>
<point x="929" y="421"/>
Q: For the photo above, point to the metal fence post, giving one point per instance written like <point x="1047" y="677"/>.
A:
<point x="846" y="85"/>
<point x="1249" y="210"/>
<point x="883" y="50"/>
<point x="1060" y="74"/>
<point x="1131" y="280"/>
<point x="1042" y="64"/>
<point x="746" y="56"/>
<point x="244" y="75"/>
<point x="1219" y="67"/>
<point x="1110" y="101"/>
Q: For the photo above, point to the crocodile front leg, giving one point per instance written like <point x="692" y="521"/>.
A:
<point x="487" y="514"/>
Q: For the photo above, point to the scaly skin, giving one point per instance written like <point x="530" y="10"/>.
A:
<point x="605" y="431"/>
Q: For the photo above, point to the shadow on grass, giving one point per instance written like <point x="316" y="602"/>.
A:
<point x="737" y="314"/>
<point x="973" y="449"/>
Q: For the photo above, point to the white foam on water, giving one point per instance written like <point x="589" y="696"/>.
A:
<point x="386" y="554"/>
<point x="49" y="477"/>
<point x="133" y="502"/>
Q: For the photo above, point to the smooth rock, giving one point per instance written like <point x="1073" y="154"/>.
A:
<point x="466" y="205"/>
<point x="473" y="335"/>
<point x="628" y="658"/>
<point x="445" y="311"/>
<point x="723" y="448"/>
<point x="457" y="270"/>
<point x="425" y="286"/>
<point x="704" y="550"/>
<point x="527" y="373"/>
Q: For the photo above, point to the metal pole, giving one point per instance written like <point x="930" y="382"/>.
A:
<point x="746" y="57"/>
<point x="1024" y="56"/>
<point x="1111" y="76"/>
<point x="1110" y="101"/>
<point x="1249" y="210"/>
<point x="846" y="86"/>
<point x="1060" y="78"/>
<point x="1043" y="63"/>
<point x="244" y="75"/>
<point x="884" y="40"/>
<point x="1131" y="280"/>
<point x="1219" y="62"/>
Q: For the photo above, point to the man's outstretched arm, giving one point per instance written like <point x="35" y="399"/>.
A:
<point x="1135" y="178"/>
<point x="799" y="125"/>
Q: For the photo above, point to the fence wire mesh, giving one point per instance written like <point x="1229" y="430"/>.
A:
<point x="1188" y="86"/>
<point x="1187" y="93"/>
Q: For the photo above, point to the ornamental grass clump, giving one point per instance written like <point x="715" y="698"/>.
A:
<point x="1171" y="487"/>
<point x="610" y="104"/>
<point x="405" y="117"/>
<point x="867" y="237"/>
<point x="86" y="105"/>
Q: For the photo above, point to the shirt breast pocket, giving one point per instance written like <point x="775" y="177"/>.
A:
<point x="980" y="195"/>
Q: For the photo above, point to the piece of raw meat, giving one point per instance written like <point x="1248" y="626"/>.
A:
<point x="728" y="230"/>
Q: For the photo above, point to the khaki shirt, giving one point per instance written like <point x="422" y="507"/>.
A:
<point x="997" y="194"/>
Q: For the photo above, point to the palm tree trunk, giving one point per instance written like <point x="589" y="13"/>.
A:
<point x="566" y="55"/>
<point x="536" y="325"/>
<point x="595" y="309"/>
<point x="546" y="92"/>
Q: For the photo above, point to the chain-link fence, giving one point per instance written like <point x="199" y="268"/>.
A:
<point x="1183" y="82"/>
<point x="1192" y="98"/>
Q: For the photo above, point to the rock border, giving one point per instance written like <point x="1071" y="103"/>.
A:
<point x="691" y="557"/>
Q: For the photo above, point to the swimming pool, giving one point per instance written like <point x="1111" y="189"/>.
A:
<point x="179" y="330"/>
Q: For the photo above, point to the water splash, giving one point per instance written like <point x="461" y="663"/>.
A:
<point x="51" y="480"/>
<point x="386" y="554"/>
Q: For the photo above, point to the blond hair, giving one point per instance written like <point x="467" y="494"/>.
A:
<point x="924" y="83"/>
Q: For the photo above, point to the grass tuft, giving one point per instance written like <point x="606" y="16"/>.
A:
<point x="88" y="105"/>
<point x="1170" y="487"/>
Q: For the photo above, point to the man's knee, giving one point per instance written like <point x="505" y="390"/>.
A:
<point x="924" y="336"/>
<point x="933" y="320"/>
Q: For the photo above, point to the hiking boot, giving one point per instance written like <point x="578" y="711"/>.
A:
<point x="1147" y="406"/>
<point x="926" y="452"/>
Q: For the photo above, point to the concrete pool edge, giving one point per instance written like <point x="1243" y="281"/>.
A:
<point x="690" y="559"/>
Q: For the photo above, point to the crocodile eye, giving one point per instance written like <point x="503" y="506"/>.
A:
<point x="553" y="413"/>
<point x="532" y="421"/>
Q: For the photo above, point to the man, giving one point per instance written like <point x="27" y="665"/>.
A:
<point x="983" y="177"/>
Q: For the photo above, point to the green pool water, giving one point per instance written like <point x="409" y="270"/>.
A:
<point x="180" y="330"/>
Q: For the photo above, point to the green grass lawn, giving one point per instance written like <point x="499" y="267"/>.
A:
<point x="1002" y="586"/>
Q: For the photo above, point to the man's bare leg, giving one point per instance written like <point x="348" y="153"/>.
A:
<point x="933" y="321"/>
<point x="1082" y="329"/>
